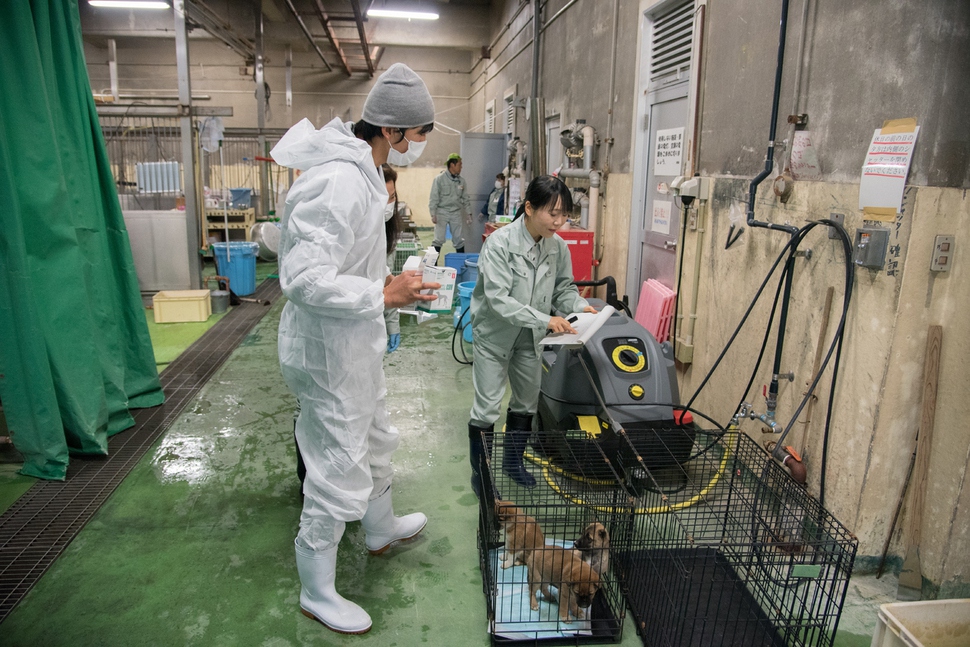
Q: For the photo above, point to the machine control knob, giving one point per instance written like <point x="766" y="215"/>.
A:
<point x="636" y="392"/>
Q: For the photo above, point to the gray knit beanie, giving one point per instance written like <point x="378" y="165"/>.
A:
<point x="399" y="99"/>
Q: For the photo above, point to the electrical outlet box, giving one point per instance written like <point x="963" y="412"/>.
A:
<point x="839" y="218"/>
<point x="942" y="254"/>
<point x="871" y="245"/>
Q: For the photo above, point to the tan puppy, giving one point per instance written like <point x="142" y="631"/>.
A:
<point x="576" y="580"/>
<point x="522" y="533"/>
<point x="594" y="547"/>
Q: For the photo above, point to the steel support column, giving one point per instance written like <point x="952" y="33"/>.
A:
<point x="261" y="111"/>
<point x="188" y="145"/>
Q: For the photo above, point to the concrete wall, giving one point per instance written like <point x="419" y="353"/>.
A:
<point x="575" y="55"/>
<point x="863" y="64"/>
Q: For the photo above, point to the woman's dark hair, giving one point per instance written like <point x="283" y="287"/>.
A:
<point x="367" y="131"/>
<point x="546" y="191"/>
<point x="392" y="226"/>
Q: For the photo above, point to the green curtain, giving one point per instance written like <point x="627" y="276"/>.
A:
<point x="75" y="354"/>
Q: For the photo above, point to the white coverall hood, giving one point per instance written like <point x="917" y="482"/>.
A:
<point x="303" y="146"/>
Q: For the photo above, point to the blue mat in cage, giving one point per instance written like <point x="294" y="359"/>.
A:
<point x="514" y="619"/>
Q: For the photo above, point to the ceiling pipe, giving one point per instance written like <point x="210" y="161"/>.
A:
<point x="306" y="32"/>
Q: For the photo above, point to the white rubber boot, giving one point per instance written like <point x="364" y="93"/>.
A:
<point x="382" y="528"/>
<point x="318" y="597"/>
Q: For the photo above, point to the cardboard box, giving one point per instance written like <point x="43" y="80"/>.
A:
<point x="444" y="295"/>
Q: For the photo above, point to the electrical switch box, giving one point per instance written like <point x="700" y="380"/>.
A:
<point x="942" y="254"/>
<point x="871" y="245"/>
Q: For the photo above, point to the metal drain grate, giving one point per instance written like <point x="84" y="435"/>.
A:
<point x="39" y="526"/>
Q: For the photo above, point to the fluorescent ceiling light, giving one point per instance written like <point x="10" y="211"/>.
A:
<point x="129" y="4"/>
<point x="410" y="15"/>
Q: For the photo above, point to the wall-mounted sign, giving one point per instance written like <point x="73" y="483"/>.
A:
<point x="885" y="169"/>
<point x="661" y="216"/>
<point x="668" y="151"/>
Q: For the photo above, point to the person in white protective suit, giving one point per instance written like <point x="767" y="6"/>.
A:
<point x="332" y="268"/>
<point x="524" y="272"/>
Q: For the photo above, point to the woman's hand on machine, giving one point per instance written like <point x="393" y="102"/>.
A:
<point x="406" y="288"/>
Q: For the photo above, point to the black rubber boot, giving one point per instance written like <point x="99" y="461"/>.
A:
<point x="518" y="430"/>
<point x="476" y="455"/>
<point x="437" y="248"/>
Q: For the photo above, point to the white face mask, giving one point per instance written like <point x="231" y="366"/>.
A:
<point x="388" y="211"/>
<point x="498" y="185"/>
<point x="408" y="157"/>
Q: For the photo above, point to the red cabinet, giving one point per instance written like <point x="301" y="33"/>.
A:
<point x="580" y="244"/>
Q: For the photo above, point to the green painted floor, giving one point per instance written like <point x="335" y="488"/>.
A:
<point x="196" y="545"/>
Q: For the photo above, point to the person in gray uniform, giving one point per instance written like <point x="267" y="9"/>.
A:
<point x="524" y="273"/>
<point x="450" y="204"/>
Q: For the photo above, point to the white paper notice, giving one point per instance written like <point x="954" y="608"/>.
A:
<point x="885" y="169"/>
<point x="668" y="151"/>
<point x="661" y="216"/>
<point x="804" y="159"/>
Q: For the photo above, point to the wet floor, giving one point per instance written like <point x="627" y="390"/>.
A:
<point x="196" y="545"/>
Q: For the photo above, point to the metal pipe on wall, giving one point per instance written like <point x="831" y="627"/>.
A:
<point x="611" y="98"/>
<point x="536" y="158"/>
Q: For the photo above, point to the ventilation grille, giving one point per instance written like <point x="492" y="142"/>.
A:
<point x="671" y="45"/>
<point x="158" y="177"/>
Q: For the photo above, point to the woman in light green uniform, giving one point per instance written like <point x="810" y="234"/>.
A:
<point x="524" y="272"/>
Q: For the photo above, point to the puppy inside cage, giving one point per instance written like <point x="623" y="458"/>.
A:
<point x="544" y="551"/>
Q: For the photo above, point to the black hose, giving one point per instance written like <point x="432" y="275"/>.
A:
<point x="789" y="251"/>
<point x="459" y="333"/>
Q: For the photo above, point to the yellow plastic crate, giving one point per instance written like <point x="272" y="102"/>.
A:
<point x="177" y="306"/>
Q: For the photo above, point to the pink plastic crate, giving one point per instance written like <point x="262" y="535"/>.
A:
<point x="656" y="308"/>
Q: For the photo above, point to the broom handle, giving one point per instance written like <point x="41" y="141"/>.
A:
<point x="924" y="442"/>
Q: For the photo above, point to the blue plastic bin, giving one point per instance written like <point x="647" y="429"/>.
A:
<point x="465" y="300"/>
<point x="470" y="273"/>
<point x="457" y="261"/>
<point x="238" y="264"/>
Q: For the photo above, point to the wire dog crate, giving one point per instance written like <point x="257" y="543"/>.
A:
<point x="563" y="505"/>
<point x="727" y="549"/>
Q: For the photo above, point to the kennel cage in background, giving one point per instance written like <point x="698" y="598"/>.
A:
<point x="563" y="503"/>
<point x="145" y="156"/>
<point x="727" y="549"/>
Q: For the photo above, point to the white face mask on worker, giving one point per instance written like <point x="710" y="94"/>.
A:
<point x="498" y="185"/>
<point x="410" y="156"/>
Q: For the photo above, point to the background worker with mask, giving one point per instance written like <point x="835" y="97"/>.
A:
<point x="495" y="204"/>
<point x="333" y="271"/>
<point x="450" y="204"/>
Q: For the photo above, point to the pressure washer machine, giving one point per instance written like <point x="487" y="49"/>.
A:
<point x="621" y="381"/>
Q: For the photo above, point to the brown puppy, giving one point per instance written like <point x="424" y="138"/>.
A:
<point x="576" y="580"/>
<point x="522" y="533"/>
<point x="594" y="547"/>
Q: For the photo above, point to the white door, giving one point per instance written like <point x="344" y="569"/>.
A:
<point x="660" y="154"/>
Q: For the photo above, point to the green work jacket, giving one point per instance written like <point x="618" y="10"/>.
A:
<point x="513" y="292"/>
